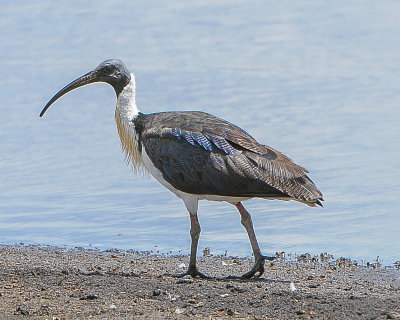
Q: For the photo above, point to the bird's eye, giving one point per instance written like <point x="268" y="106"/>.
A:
<point x="108" y="69"/>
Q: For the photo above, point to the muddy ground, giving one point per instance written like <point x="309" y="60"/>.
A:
<point x="55" y="283"/>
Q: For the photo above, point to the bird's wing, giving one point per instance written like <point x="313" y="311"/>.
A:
<point x="201" y="154"/>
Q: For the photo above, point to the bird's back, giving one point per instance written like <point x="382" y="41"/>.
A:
<point x="199" y="153"/>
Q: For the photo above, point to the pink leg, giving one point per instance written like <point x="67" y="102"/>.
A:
<point x="195" y="235"/>
<point x="259" y="258"/>
<point x="248" y="225"/>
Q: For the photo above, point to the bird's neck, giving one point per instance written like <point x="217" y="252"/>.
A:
<point x="125" y="112"/>
<point x="126" y="101"/>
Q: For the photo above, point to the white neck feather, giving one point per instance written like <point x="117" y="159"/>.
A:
<point x="126" y="102"/>
<point x="125" y="112"/>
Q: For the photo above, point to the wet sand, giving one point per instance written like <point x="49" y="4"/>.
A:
<point x="39" y="282"/>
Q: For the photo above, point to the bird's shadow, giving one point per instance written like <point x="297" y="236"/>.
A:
<point x="234" y="279"/>
<point x="240" y="279"/>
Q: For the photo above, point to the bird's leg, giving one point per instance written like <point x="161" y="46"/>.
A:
<point x="195" y="235"/>
<point x="259" y="258"/>
<point x="195" y="230"/>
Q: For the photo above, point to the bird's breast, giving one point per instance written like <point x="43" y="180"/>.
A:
<point x="129" y="141"/>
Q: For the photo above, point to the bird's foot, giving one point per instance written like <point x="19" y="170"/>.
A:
<point x="255" y="272"/>
<point x="193" y="272"/>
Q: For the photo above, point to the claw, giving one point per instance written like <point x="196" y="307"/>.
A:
<point x="193" y="275"/>
<point x="257" y="270"/>
<point x="193" y="272"/>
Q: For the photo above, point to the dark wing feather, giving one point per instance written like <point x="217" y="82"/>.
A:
<point x="201" y="154"/>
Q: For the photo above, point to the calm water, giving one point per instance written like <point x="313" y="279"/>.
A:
<point x="319" y="82"/>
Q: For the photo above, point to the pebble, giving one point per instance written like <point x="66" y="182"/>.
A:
<point x="156" y="292"/>
<point x="233" y="288"/>
<point x="89" y="297"/>
<point x="92" y="273"/>
<point x="185" y="281"/>
<point x="22" y="311"/>
<point x="207" y="252"/>
<point x="132" y="274"/>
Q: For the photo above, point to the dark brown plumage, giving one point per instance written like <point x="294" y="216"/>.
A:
<point x="199" y="156"/>
<point x="221" y="159"/>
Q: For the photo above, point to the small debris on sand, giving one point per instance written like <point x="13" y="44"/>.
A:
<point x="43" y="282"/>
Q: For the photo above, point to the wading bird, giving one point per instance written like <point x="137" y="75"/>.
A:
<point x="199" y="156"/>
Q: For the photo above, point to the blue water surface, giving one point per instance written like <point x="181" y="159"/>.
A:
<point x="318" y="81"/>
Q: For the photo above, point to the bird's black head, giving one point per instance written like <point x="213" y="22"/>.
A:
<point x="111" y="71"/>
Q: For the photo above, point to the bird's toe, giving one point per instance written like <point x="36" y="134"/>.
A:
<point x="256" y="272"/>
<point x="193" y="272"/>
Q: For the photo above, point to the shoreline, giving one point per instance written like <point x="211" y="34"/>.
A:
<point x="44" y="282"/>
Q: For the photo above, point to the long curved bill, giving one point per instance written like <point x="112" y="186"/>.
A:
<point x="87" y="78"/>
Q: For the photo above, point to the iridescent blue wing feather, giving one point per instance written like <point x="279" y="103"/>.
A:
<point x="201" y="154"/>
